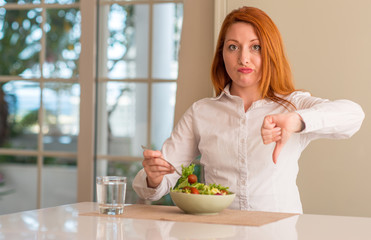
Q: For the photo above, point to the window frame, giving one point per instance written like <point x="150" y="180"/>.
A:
<point x="149" y="80"/>
<point x="88" y="81"/>
<point x="84" y="78"/>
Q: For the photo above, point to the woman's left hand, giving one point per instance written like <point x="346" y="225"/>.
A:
<point x="278" y="128"/>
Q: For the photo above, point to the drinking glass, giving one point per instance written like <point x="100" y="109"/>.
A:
<point x="111" y="191"/>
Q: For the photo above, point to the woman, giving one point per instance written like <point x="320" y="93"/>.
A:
<point x="257" y="116"/>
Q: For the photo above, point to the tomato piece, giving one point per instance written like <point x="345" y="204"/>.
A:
<point x="192" y="178"/>
<point x="194" y="190"/>
<point x="224" y="192"/>
<point x="186" y="189"/>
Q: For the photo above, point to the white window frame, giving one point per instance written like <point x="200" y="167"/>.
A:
<point x="87" y="79"/>
<point x="85" y="145"/>
<point x="102" y="159"/>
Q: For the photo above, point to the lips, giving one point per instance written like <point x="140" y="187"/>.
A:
<point x="245" y="70"/>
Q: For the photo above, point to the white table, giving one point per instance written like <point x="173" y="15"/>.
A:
<point x="64" y="222"/>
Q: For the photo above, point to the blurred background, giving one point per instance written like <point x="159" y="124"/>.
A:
<point x="41" y="42"/>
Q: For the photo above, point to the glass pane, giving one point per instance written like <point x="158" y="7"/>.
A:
<point x="62" y="1"/>
<point x="59" y="182"/>
<point x="62" y="43"/>
<point x="20" y="36"/>
<point x="61" y="116"/>
<point x="124" y="41"/>
<point x="163" y="104"/>
<point x="122" y="122"/>
<point x="18" y="180"/>
<point x="127" y="169"/>
<point x="167" y="25"/>
<point x="20" y="102"/>
<point x="3" y="2"/>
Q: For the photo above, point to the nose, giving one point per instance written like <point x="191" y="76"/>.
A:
<point x="244" y="57"/>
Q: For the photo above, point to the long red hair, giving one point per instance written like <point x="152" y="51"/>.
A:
<point x="276" y="72"/>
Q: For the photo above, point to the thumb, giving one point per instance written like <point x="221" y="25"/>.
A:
<point x="268" y="122"/>
<point x="277" y="150"/>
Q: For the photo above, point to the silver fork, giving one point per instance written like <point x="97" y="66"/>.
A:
<point x="176" y="170"/>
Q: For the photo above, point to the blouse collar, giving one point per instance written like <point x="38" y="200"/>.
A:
<point x="226" y="92"/>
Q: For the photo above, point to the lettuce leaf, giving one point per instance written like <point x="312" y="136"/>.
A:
<point x="183" y="180"/>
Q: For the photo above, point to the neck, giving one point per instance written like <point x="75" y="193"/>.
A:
<point x="248" y="95"/>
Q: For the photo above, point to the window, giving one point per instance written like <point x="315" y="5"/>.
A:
<point x="39" y="95"/>
<point x="48" y="77"/>
<point x="137" y="74"/>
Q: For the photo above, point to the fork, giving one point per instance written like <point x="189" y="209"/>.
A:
<point x="176" y="170"/>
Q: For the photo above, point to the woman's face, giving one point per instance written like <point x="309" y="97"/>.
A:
<point x="242" y="57"/>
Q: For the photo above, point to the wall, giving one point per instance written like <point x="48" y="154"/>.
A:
<point x="328" y="44"/>
<point x="195" y="54"/>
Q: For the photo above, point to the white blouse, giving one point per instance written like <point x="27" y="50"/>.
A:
<point x="233" y="154"/>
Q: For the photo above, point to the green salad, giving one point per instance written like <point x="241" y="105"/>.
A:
<point x="188" y="183"/>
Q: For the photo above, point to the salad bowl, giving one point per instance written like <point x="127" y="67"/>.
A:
<point x="201" y="204"/>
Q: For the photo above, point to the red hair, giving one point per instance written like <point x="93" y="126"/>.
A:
<point x="276" y="72"/>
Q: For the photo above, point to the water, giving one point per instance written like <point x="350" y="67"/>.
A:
<point x="111" y="195"/>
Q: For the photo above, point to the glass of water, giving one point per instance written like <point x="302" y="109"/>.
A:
<point x="111" y="192"/>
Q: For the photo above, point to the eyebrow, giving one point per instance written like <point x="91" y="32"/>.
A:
<point x="233" y="40"/>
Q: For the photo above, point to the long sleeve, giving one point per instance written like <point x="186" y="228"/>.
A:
<point x="337" y="119"/>
<point x="152" y="194"/>
<point x="180" y="149"/>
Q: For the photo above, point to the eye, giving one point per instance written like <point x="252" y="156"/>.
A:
<point x="232" y="47"/>
<point x="256" y="47"/>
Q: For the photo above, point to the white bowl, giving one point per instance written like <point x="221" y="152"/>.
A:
<point x="201" y="204"/>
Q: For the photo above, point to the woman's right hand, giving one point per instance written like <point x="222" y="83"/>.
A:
<point x="155" y="167"/>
